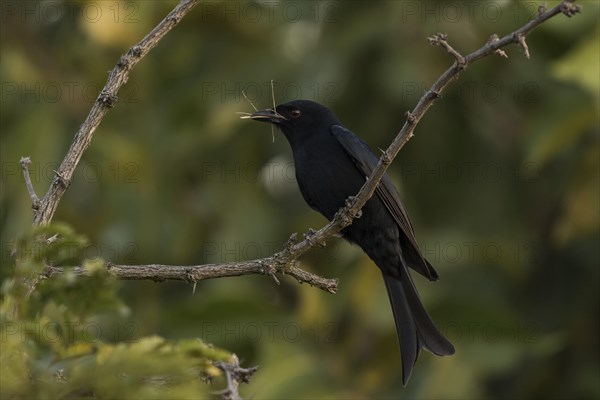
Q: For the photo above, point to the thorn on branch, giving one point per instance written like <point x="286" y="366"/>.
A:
<point x="272" y="275"/>
<point x="190" y="276"/>
<point x="523" y="44"/>
<point x="410" y="118"/>
<point x="385" y="158"/>
<point x="501" y="53"/>
<point x="269" y="270"/>
<point x="542" y="9"/>
<point x="493" y="39"/>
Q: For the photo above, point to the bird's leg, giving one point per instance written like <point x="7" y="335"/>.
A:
<point x="349" y="203"/>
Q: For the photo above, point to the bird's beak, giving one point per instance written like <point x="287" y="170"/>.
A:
<point x="268" y="116"/>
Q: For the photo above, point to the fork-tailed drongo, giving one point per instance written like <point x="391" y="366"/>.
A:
<point x="332" y="164"/>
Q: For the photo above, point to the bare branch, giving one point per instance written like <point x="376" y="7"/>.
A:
<point x="194" y="273"/>
<point x="106" y="100"/>
<point x="441" y="39"/>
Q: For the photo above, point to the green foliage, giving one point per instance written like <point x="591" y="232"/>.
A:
<point x="54" y="342"/>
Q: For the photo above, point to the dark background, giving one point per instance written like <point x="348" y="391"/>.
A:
<point x="501" y="181"/>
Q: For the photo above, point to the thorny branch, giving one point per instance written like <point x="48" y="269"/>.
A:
<point x="44" y="210"/>
<point x="285" y="261"/>
<point x="194" y="273"/>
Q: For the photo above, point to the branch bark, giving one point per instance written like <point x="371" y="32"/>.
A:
<point x="194" y="273"/>
<point x="285" y="261"/>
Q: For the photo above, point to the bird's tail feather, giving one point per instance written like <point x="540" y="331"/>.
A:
<point x="414" y="326"/>
<point x="406" y="328"/>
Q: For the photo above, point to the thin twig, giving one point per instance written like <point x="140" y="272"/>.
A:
<point x="441" y="39"/>
<point x="35" y="201"/>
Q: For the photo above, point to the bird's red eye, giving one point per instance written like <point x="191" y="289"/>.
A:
<point x="295" y="113"/>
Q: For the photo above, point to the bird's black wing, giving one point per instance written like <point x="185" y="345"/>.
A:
<point x="365" y="161"/>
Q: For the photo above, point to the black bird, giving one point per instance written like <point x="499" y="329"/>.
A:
<point x="332" y="164"/>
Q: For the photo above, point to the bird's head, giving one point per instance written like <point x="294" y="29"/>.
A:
<point x="298" y="119"/>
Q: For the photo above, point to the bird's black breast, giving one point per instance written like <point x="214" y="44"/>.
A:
<point x="327" y="176"/>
